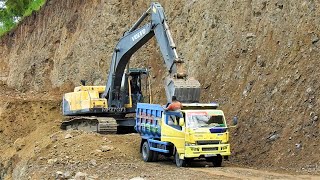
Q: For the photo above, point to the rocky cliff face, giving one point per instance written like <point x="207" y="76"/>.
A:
<point x="258" y="59"/>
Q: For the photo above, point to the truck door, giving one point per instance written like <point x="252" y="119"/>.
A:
<point x="171" y="131"/>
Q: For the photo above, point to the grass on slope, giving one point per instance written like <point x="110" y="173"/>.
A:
<point x="7" y="24"/>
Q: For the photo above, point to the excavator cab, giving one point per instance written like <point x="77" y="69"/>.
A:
<point x="137" y="88"/>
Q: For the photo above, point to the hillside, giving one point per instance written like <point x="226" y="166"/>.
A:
<point x="258" y="59"/>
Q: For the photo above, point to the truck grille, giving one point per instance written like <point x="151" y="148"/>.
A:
<point x="210" y="149"/>
<point x="208" y="142"/>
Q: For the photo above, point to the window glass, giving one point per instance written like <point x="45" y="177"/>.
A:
<point x="202" y="119"/>
<point x="173" y="121"/>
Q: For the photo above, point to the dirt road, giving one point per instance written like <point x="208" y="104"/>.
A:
<point x="69" y="154"/>
<point x="230" y="172"/>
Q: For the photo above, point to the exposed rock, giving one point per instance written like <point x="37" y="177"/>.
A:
<point x="137" y="178"/>
<point x="273" y="137"/>
<point x="2" y="170"/>
<point x="248" y="88"/>
<point x="80" y="176"/>
<point x="98" y="150"/>
<point x="54" y="138"/>
<point x="67" y="175"/>
<point x="93" y="162"/>
<point x="52" y="161"/>
<point x="312" y="114"/>
<point x="106" y="148"/>
<point x="314" y="38"/>
<point x="92" y="177"/>
<point x="68" y="136"/>
<point x="19" y="143"/>
<point x="250" y="35"/>
<point x="260" y="61"/>
<point x="309" y="90"/>
<point x="298" y="145"/>
<point x="36" y="150"/>
<point x="59" y="175"/>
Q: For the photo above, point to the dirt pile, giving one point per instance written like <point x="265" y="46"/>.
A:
<point x="78" y="154"/>
<point x="258" y="59"/>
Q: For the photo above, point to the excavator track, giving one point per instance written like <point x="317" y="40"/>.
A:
<point x="102" y="125"/>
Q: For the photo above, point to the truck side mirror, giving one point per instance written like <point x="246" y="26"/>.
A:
<point x="181" y="122"/>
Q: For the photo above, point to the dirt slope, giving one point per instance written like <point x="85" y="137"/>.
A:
<point x="258" y="59"/>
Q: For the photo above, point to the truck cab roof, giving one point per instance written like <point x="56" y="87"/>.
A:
<point x="194" y="106"/>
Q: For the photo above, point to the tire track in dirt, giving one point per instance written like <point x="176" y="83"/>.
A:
<point x="245" y="173"/>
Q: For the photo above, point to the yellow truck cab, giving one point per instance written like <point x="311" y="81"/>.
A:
<point x="199" y="131"/>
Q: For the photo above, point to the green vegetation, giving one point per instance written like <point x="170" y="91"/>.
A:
<point x="13" y="11"/>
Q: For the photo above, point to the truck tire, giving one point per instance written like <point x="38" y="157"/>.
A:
<point x="155" y="156"/>
<point x="217" y="161"/>
<point x="179" y="162"/>
<point x="147" y="154"/>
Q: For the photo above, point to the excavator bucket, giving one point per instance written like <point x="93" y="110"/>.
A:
<point x="186" y="90"/>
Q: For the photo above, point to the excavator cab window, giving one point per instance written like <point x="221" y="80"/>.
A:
<point x="135" y="83"/>
<point x="138" y="82"/>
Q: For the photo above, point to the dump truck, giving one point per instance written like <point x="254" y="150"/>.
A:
<point x="198" y="132"/>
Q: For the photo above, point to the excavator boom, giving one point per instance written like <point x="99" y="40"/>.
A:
<point x="177" y="83"/>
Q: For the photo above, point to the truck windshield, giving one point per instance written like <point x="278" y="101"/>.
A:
<point x="204" y="120"/>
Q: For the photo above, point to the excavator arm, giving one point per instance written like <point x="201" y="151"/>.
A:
<point x="177" y="83"/>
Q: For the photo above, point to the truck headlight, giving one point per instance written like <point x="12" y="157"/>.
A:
<point x="194" y="149"/>
<point x="224" y="147"/>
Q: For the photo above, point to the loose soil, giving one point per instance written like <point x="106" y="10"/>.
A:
<point x="258" y="59"/>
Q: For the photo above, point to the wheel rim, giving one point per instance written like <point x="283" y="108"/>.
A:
<point x="144" y="151"/>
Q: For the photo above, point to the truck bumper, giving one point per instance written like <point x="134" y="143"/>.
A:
<point x="207" y="150"/>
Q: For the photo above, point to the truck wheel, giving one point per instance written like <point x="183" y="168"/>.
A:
<point x="147" y="154"/>
<point x="217" y="161"/>
<point x="179" y="162"/>
<point x="155" y="156"/>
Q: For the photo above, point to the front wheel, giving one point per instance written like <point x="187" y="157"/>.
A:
<point x="179" y="162"/>
<point x="147" y="154"/>
<point x="217" y="161"/>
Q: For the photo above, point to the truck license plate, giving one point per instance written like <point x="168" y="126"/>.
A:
<point x="210" y="155"/>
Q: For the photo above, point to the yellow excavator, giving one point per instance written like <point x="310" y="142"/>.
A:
<point x="86" y="109"/>
<point x="111" y="108"/>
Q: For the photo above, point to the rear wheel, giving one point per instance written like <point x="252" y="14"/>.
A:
<point x="179" y="162"/>
<point x="147" y="154"/>
<point x="217" y="161"/>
